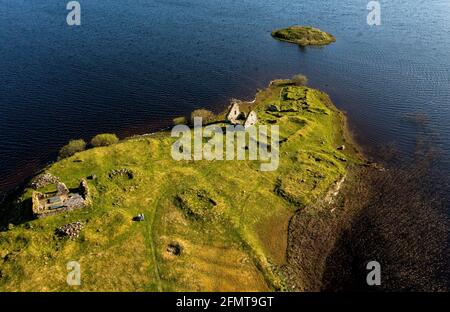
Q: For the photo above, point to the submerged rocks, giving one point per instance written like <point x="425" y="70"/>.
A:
<point x="71" y="230"/>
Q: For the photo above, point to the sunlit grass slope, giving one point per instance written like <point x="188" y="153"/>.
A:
<point x="237" y="241"/>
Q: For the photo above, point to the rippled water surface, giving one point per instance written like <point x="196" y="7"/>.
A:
<point x="134" y="65"/>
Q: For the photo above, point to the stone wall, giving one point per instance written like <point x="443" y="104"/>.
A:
<point x="70" y="201"/>
<point x="233" y="113"/>
<point x="85" y="192"/>
<point x="43" y="180"/>
<point x="251" y="120"/>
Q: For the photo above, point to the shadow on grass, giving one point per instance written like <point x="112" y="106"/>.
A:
<point x="13" y="213"/>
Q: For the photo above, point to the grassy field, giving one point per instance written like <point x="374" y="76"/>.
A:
<point x="304" y="35"/>
<point x="227" y="220"/>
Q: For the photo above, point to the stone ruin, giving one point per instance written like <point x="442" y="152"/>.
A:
<point x="234" y="113"/>
<point x="62" y="201"/>
<point x="43" y="180"/>
<point x="236" y="117"/>
<point x="251" y="120"/>
<point x="62" y="189"/>
<point x="71" y="230"/>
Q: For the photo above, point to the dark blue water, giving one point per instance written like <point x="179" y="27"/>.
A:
<point x="135" y="64"/>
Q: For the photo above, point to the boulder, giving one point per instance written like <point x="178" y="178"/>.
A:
<point x="92" y="177"/>
<point x="140" y="217"/>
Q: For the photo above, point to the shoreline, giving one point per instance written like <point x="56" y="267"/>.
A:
<point x="6" y="194"/>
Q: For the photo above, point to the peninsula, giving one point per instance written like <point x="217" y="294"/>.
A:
<point x="156" y="224"/>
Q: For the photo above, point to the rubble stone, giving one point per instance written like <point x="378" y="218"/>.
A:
<point x="62" y="189"/>
<point x="71" y="230"/>
<point x="121" y="172"/>
<point x="43" y="180"/>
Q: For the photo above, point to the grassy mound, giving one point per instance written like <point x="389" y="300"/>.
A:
<point x="197" y="203"/>
<point x="303" y="35"/>
<point x="209" y="225"/>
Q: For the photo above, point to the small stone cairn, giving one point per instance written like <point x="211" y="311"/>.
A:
<point x="71" y="230"/>
<point x="121" y="172"/>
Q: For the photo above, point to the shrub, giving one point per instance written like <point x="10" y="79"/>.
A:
<point x="104" y="139"/>
<point x="179" y="121"/>
<point x="206" y="115"/>
<point x="280" y="82"/>
<point x="300" y="80"/>
<point x="74" y="146"/>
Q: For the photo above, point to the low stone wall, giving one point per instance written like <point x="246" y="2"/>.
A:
<point x="48" y="213"/>
<point x="43" y="180"/>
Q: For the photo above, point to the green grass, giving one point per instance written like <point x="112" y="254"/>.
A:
<point x="303" y="35"/>
<point x="229" y="218"/>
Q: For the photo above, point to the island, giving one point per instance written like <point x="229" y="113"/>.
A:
<point x="152" y="223"/>
<point x="304" y="36"/>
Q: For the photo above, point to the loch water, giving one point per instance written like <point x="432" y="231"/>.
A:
<point x="131" y="66"/>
